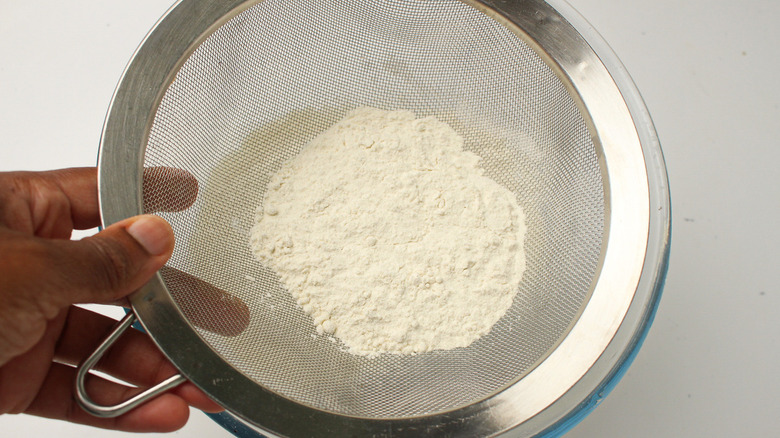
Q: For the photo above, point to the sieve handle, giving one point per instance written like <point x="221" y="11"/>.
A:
<point x="86" y="402"/>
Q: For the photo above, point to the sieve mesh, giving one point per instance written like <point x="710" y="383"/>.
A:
<point x="270" y="79"/>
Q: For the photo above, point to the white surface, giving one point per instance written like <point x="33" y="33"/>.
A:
<point x="707" y="72"/>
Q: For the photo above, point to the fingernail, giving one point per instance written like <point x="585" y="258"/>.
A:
<point x="153" y="233"/>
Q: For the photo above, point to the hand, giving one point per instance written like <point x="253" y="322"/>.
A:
<point x="43" y="273"/>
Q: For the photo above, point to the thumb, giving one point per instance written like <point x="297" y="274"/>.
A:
<point x="114" y="262"/>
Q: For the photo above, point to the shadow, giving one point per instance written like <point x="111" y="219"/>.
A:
<point x="208" y="307"/>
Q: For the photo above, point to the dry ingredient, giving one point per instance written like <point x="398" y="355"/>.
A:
<point x="388" y="233"/>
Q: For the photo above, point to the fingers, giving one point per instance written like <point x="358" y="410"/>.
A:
<point x="197" y="398"/>
<point x="168" y="189"/>
<point x="205" y="305"/>
<point x="53" y="203"/>
<point x="49" y="204"/>
<point x="57" y="400"/>
<point x="165" y="189"/>
<point x="80" y="190"/>
<point x="23" y="369"/>
<point x="133" y="358"/>
<point x="109" y="265"/>
<point x="42" y="277"/>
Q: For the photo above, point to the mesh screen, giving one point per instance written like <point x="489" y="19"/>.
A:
<point x="270" y="79"/>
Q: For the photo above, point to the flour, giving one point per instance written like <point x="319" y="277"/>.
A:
<point x="391" y="237"/>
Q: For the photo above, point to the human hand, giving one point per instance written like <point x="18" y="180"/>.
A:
<point x="43" y="273"/>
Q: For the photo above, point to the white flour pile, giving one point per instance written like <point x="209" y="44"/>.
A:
<point x="389" y="235"/>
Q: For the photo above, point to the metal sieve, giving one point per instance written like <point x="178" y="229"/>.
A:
<point x="226" y="91"/>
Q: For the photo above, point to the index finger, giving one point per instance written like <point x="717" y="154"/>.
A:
<point x="169" y="189"/>
<point x="79" y="185"/>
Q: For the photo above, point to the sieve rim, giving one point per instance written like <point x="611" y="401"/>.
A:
<point x="592" y="85"/>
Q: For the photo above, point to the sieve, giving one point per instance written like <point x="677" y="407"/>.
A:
<point x="221" y="93"/>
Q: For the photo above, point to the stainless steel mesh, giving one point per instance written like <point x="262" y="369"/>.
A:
<point x="268" y="80"/>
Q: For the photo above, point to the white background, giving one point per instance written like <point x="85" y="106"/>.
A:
<point x="708" y="72"/>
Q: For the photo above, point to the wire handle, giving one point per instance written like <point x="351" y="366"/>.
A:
<point x="86" y="366"/>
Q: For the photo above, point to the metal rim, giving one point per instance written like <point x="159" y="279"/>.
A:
<point x="627" y="288"/>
